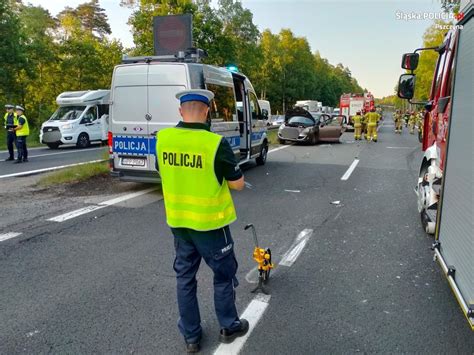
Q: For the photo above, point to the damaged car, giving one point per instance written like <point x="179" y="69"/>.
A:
<point x="302" y="126"/>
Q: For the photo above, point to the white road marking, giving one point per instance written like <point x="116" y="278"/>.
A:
<point x="37" y="171"/>
<point x="279" y="148"/>
<point x="296" y="248"/>
<point x="9" y="235"/>
<point x="88" y="209"/>
<point x="65" y="152"/>
<point x="292" y="190"/>
<point x="119" y="199"/>
<point x="350" y="170"/>
<point x="74" y="214"/>
<point x="252" y="313"/>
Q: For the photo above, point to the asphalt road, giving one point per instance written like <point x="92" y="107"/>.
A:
<point x="44" y="158"/>
<point x="364" y="281"/>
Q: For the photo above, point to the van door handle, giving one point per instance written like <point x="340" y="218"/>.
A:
<point x="236" y="129"/>
<point x="153" y="134"/>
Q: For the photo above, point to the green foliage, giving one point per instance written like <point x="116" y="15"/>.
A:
<point x="43" y="56"/>
<point x="281" y="66"/>
<point x="432" y="37"/>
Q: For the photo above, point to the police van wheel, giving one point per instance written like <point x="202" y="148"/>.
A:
<point x="83" y="141"/>
<point x="262" y="158"/>
<point x="53" y="145"/>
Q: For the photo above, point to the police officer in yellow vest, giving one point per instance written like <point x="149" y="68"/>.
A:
<point x="357" y="120"/>
<point x="10" y="121"/>
<point x="372" y="121"/>
<point x="198" y="169"/>
<point x="22" y="131"/>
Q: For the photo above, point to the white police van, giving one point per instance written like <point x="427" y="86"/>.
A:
<point x="143" y="101"/>
<point x="81" y="118"/>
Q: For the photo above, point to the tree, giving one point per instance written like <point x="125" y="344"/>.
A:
<point x="432" y="37"/>
<point x="12" y="54"/>
<point x="89" y="16"/>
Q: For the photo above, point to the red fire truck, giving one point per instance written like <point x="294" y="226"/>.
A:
<point x="444" y="187"/>
<point x="350" y="104"/>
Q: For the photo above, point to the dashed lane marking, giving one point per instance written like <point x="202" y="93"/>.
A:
<point x="349" y="171"/>
<point x="253" y="313"/>
<point x="38" y="171"/>
<point x="9" y="235"/>
<point x="279" y="148"/>
<point x="88" y="209"/>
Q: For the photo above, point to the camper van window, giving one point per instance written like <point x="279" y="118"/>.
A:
<point x="65" y="113"/>
<point x="254" y="108"/>
<point x="90" y="115"/>
<point x="223" y="106"/>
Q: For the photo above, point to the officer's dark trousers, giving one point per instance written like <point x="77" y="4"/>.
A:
<point x="21" y="147"/>
<point x="217" y="249"/>
<point x="11" y="140"/>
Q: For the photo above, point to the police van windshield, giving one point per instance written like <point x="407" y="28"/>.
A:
<point x="67" y="113"/>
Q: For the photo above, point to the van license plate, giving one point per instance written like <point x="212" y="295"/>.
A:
<point x="133" y="161"/>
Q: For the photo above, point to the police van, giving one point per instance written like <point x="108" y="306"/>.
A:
<point x="143" y="101"/>
<point x="81" y="118"/>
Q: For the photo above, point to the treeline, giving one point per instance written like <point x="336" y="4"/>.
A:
<point x="281" y="66"/>
<point x="42" y="55"/>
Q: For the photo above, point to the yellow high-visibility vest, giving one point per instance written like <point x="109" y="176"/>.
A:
<point x="193" y="196"/>
<point x="15" y="119"/>
<point x="25" y="129"/>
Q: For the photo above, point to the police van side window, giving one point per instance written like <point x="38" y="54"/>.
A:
<point x="223" y="107"/>
<point x="254" y="108"/>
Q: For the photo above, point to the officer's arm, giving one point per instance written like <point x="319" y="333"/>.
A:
<point x="227" y="167"/>
<point x="237" y="184"/>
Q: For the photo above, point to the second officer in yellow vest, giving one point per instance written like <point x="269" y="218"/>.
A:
<point x="22" y="131"/>
<point x="10" y="121"/>
<point x="198" y="169"/>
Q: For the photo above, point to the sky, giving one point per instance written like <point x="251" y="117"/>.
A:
<point x="367" y="36"/>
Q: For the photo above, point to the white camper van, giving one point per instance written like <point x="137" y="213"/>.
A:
<point x="81" y="118"/>
<point x="143" y="102"/>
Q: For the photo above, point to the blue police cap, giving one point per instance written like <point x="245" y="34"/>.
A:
<point x="204" y="96"/>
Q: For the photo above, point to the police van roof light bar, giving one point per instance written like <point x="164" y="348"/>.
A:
<point x="191" y="55"/>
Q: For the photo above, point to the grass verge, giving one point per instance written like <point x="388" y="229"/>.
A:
<point x="75" y="174"/>
<point x="32" y="141"/>
<point x="272" y="136"/>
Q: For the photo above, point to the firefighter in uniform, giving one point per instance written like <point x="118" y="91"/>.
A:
<point x="357" y="120"/>
<point x="372" y="121"/>
<point x="420" y="120"/>
<point x="22" y="131"/>
<point x="10" y="121"/>
<point x="411" y="122"/>
<point x="398" y="121"/>
<point x="198" y="169"/>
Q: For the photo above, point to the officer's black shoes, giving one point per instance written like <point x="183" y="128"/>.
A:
<point x="228" y="336"/>
<point x="193" y="348"/>
<point x="9" y="159"/>
<point x="18" y="162"/>
<point x="25" y="160"/>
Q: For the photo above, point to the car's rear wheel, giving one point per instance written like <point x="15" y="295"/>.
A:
<point x="83" y="141"/>
<point x="53" y="145"/>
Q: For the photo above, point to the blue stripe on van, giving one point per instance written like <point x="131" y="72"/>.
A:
<point x="234" y="141"/>
<point x="257" y="135"/>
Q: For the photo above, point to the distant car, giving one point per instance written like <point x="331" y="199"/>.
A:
<point x="302" y="126"/>
<point x="277" y="120"/>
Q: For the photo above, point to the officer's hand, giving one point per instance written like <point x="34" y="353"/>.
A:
<point x="237" y="184"/>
